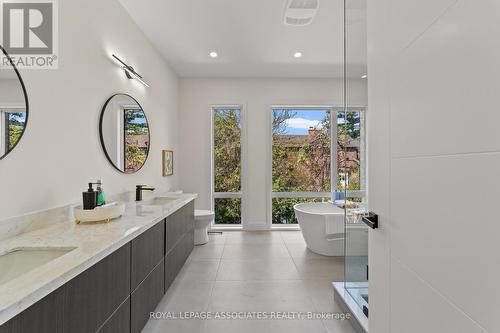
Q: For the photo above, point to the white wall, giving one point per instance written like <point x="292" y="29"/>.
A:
<point x="257" y="96"/>
<point x="434" y="155"/>
<point x="11" y="91"/>
<point x="60" y="151"/>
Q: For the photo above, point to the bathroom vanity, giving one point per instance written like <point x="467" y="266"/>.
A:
<point x="111" y="276"/>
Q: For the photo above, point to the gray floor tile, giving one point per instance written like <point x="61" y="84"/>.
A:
<point x="265" y="326"/>
<point x="255" y="251"/>
<point x="285" y="295"/>
<point x="326" y="269"/>
<point x="265" y="269"/>
<point x="199" y="270"/>
<point x="254" y="271"/>
<point x="253" y="237"/>
<point x="207" y="251"/>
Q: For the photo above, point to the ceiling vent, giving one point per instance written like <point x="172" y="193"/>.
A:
<point x="300" y="12"/>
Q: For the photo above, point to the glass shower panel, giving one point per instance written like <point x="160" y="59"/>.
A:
<point x="351" y="139"/>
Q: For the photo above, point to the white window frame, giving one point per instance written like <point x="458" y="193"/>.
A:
<point x="230" y="195"/>
<point x="334" y="111"/>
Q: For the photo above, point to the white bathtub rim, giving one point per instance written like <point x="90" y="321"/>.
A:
<point x="298" y="207"/>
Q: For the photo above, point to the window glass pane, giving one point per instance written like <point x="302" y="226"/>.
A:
<point x="136" y="139"/>
<point x="283" y="212"/>
<point x="301" y="150"/>
<point x="227" y="211"/>
<point x="349" y="151"/>
<point x="227" y="150"/>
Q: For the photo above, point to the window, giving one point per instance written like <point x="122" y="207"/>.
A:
<point x="301" y="159"/>
<point x="350" y="153"/>
<point x="305" y="168"/>
<point x="227" y="165"/>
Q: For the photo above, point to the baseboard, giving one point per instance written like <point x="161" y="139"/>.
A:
<point x="256" y="227"/>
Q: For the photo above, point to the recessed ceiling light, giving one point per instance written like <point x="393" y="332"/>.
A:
<point x="364" y="76"/>
<point x="297" y="55"/>
<point x="213" y="54"/>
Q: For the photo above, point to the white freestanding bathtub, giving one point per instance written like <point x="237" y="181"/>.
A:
<point x="322" y="226"/>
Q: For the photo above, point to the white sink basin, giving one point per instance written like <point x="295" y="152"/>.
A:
<point x="158" y="201"/>
<point x="20" y="261"/>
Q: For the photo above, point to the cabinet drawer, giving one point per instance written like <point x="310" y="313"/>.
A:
<point x="94" y="295"/>
<point x="146" y="297"/>
<point x="45" y="316"/>
<point x="176" y="258"/>
<point x="147" y="252"/>
<point x="178" y="224"/>
<point x="174" y="231"/>
<point x="119" y="321"/>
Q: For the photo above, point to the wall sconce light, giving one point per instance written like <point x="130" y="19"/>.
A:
<point x="129" y="71"/>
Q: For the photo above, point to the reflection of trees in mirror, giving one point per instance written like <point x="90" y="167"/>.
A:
<point x="136" y="139"/>
<point x="16" y="122"/>
<point x="227" y="163"/>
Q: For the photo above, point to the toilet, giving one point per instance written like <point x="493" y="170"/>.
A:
<point x="202" y="220"/>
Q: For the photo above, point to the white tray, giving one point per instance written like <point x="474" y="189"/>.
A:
<point x="104" y="214"/>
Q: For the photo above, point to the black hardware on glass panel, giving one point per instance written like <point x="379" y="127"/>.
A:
<point x="365" y="310"/>
<point x="371" y="220"/>
<point x="21" y="82"/>
<point x="139" y="189"/>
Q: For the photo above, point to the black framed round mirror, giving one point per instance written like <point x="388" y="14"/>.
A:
<point x="124" y="133"/>
<point x="13" y="105"/>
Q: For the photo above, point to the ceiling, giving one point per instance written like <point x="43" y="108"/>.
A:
<point x="250" y="38"/>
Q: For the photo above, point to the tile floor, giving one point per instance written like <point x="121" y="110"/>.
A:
<point x="253" y="271"/>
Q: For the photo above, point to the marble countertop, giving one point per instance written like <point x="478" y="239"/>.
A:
<point x="92" y="243"/>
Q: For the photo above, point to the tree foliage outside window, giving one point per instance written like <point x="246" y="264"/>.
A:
<point x="227" y="163"/>
<point x="348" y="150"/>
<point x="302" y="163"/>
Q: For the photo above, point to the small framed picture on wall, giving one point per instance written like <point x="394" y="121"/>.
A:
<point x="168" y="162"/>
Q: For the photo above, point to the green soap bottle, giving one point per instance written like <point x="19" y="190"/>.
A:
<point x="100" y="194"/>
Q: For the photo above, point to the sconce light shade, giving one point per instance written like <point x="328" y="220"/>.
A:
<point x="129" y="71"/>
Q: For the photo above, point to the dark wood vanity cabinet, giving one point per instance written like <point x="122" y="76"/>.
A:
<point x="179" y="241"/>
<point x="148" y="267"/>
<point x="117" y="293"/>
<point x="146" y="297"/>
<point x="148" y="250"/>
<point x="81" y="305"/>
<point x="93" y="296"/>
<point x="119" y="320"/>
<point x="40" y="317"/>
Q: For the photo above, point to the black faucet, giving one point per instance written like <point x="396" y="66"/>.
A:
<point x="139" y="189"/>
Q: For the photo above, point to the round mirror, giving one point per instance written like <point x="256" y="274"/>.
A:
<point x="13" y="105"/>
<point x="124" y="132"/>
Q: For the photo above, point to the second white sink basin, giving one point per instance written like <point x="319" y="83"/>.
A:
<point x="20" y="261"/>
<point x="158" y="201"/>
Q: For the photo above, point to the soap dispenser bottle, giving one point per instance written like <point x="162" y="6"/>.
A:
<point x="100" y="194"/>
<point x="89" y="198"/>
